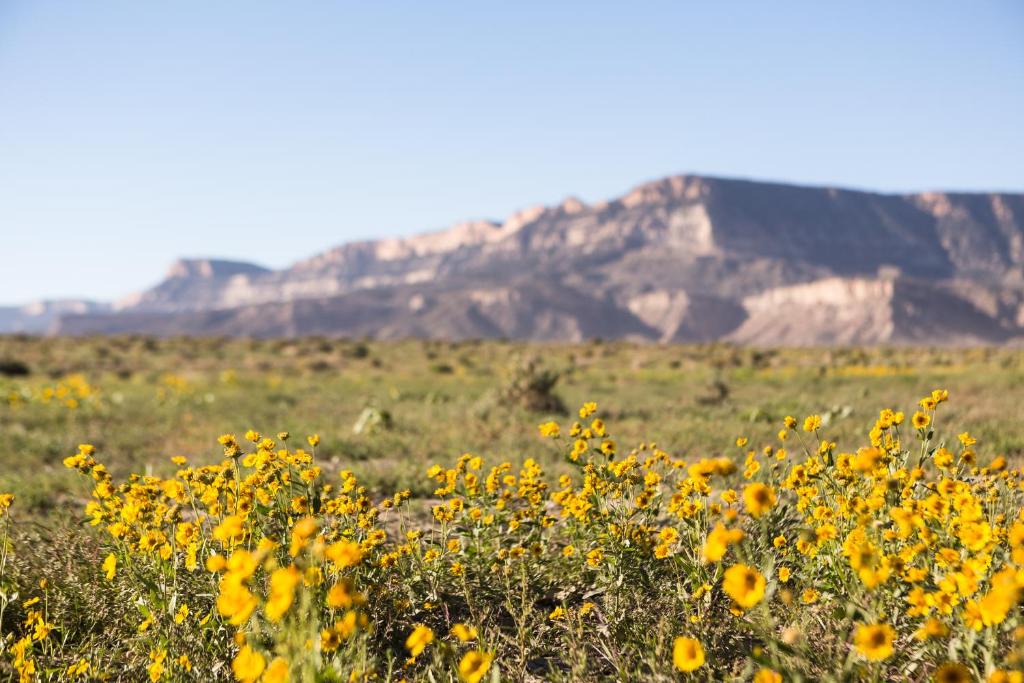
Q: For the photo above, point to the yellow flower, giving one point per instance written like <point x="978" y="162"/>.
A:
<point x="812" y="423"/>
<point x="231" y="531"/>
<point x="942" y="458"/>
<point x="464" y="633"/>
<point x="248" y="665"/>
<point x="825" y="533"/>
<point x="277" y="672"/>
<point x="474" y="665"/>
<point x="758" y="498"/>
<point x="953" y="672"/>
<point x="996" y="604"/>
<point x="235" y="601"/>
<point x="330" y="639"/>
<point x="79" y="668"/>
<point x="931" y="628"/>
<point x="340" y="596"/>
<point x="718" y="541"/>
<point x="348" y="624"/>
<point x="745" y="585"/>
<point x="975" y="535"/>
<point x="282" y="592"/>
<point x="867" y="459"/>
<point x="215" y="562"/>
<point x="809" y="596"/>
<point x="420" y="637"/>
<point x="687" y="654"/>
<point x="344" y="554"/>
<point x="874" y="641"/>
<point x="156" y="669"/>
<point x="110" y="566"/>
<point x="303" y="529"/>
<point x="920" y="420"/>
<point x="784" y="573"/>
<point x="42" y="629"/>
<point x="549" y="429"/>
<point x="767" y="676"/>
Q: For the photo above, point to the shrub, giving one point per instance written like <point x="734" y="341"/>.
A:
<point x="10" y="367"/>
<point x="529" y="387"/>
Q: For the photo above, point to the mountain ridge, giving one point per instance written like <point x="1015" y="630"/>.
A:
<point x="682" y="258"/>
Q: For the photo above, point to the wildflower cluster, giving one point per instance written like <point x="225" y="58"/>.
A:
<point x="795" y="559"/>
<point x="71" y="392"/>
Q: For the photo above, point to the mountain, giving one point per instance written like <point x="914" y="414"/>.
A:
<point x="685" y="258"/>
<point x="195" y="284"/>
<point x="40" y="316"/>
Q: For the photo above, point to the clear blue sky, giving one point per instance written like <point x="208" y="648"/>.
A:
<point x="135" y="132"/>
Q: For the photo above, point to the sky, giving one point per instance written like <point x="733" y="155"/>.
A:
<point x="133" y="133"/>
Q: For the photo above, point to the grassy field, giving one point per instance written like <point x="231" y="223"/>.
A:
<point x="389" y="411"/>
<point x="149" y="399"/>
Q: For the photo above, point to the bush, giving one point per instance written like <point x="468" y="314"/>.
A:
<point x="529" y="387"/>
<point x="10" y="367"/>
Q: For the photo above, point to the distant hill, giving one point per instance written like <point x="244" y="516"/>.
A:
<point x="686" y="258"/>
<point x="41" y="317"/>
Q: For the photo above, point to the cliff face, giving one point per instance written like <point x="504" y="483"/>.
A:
<point x="685" y="258"/>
